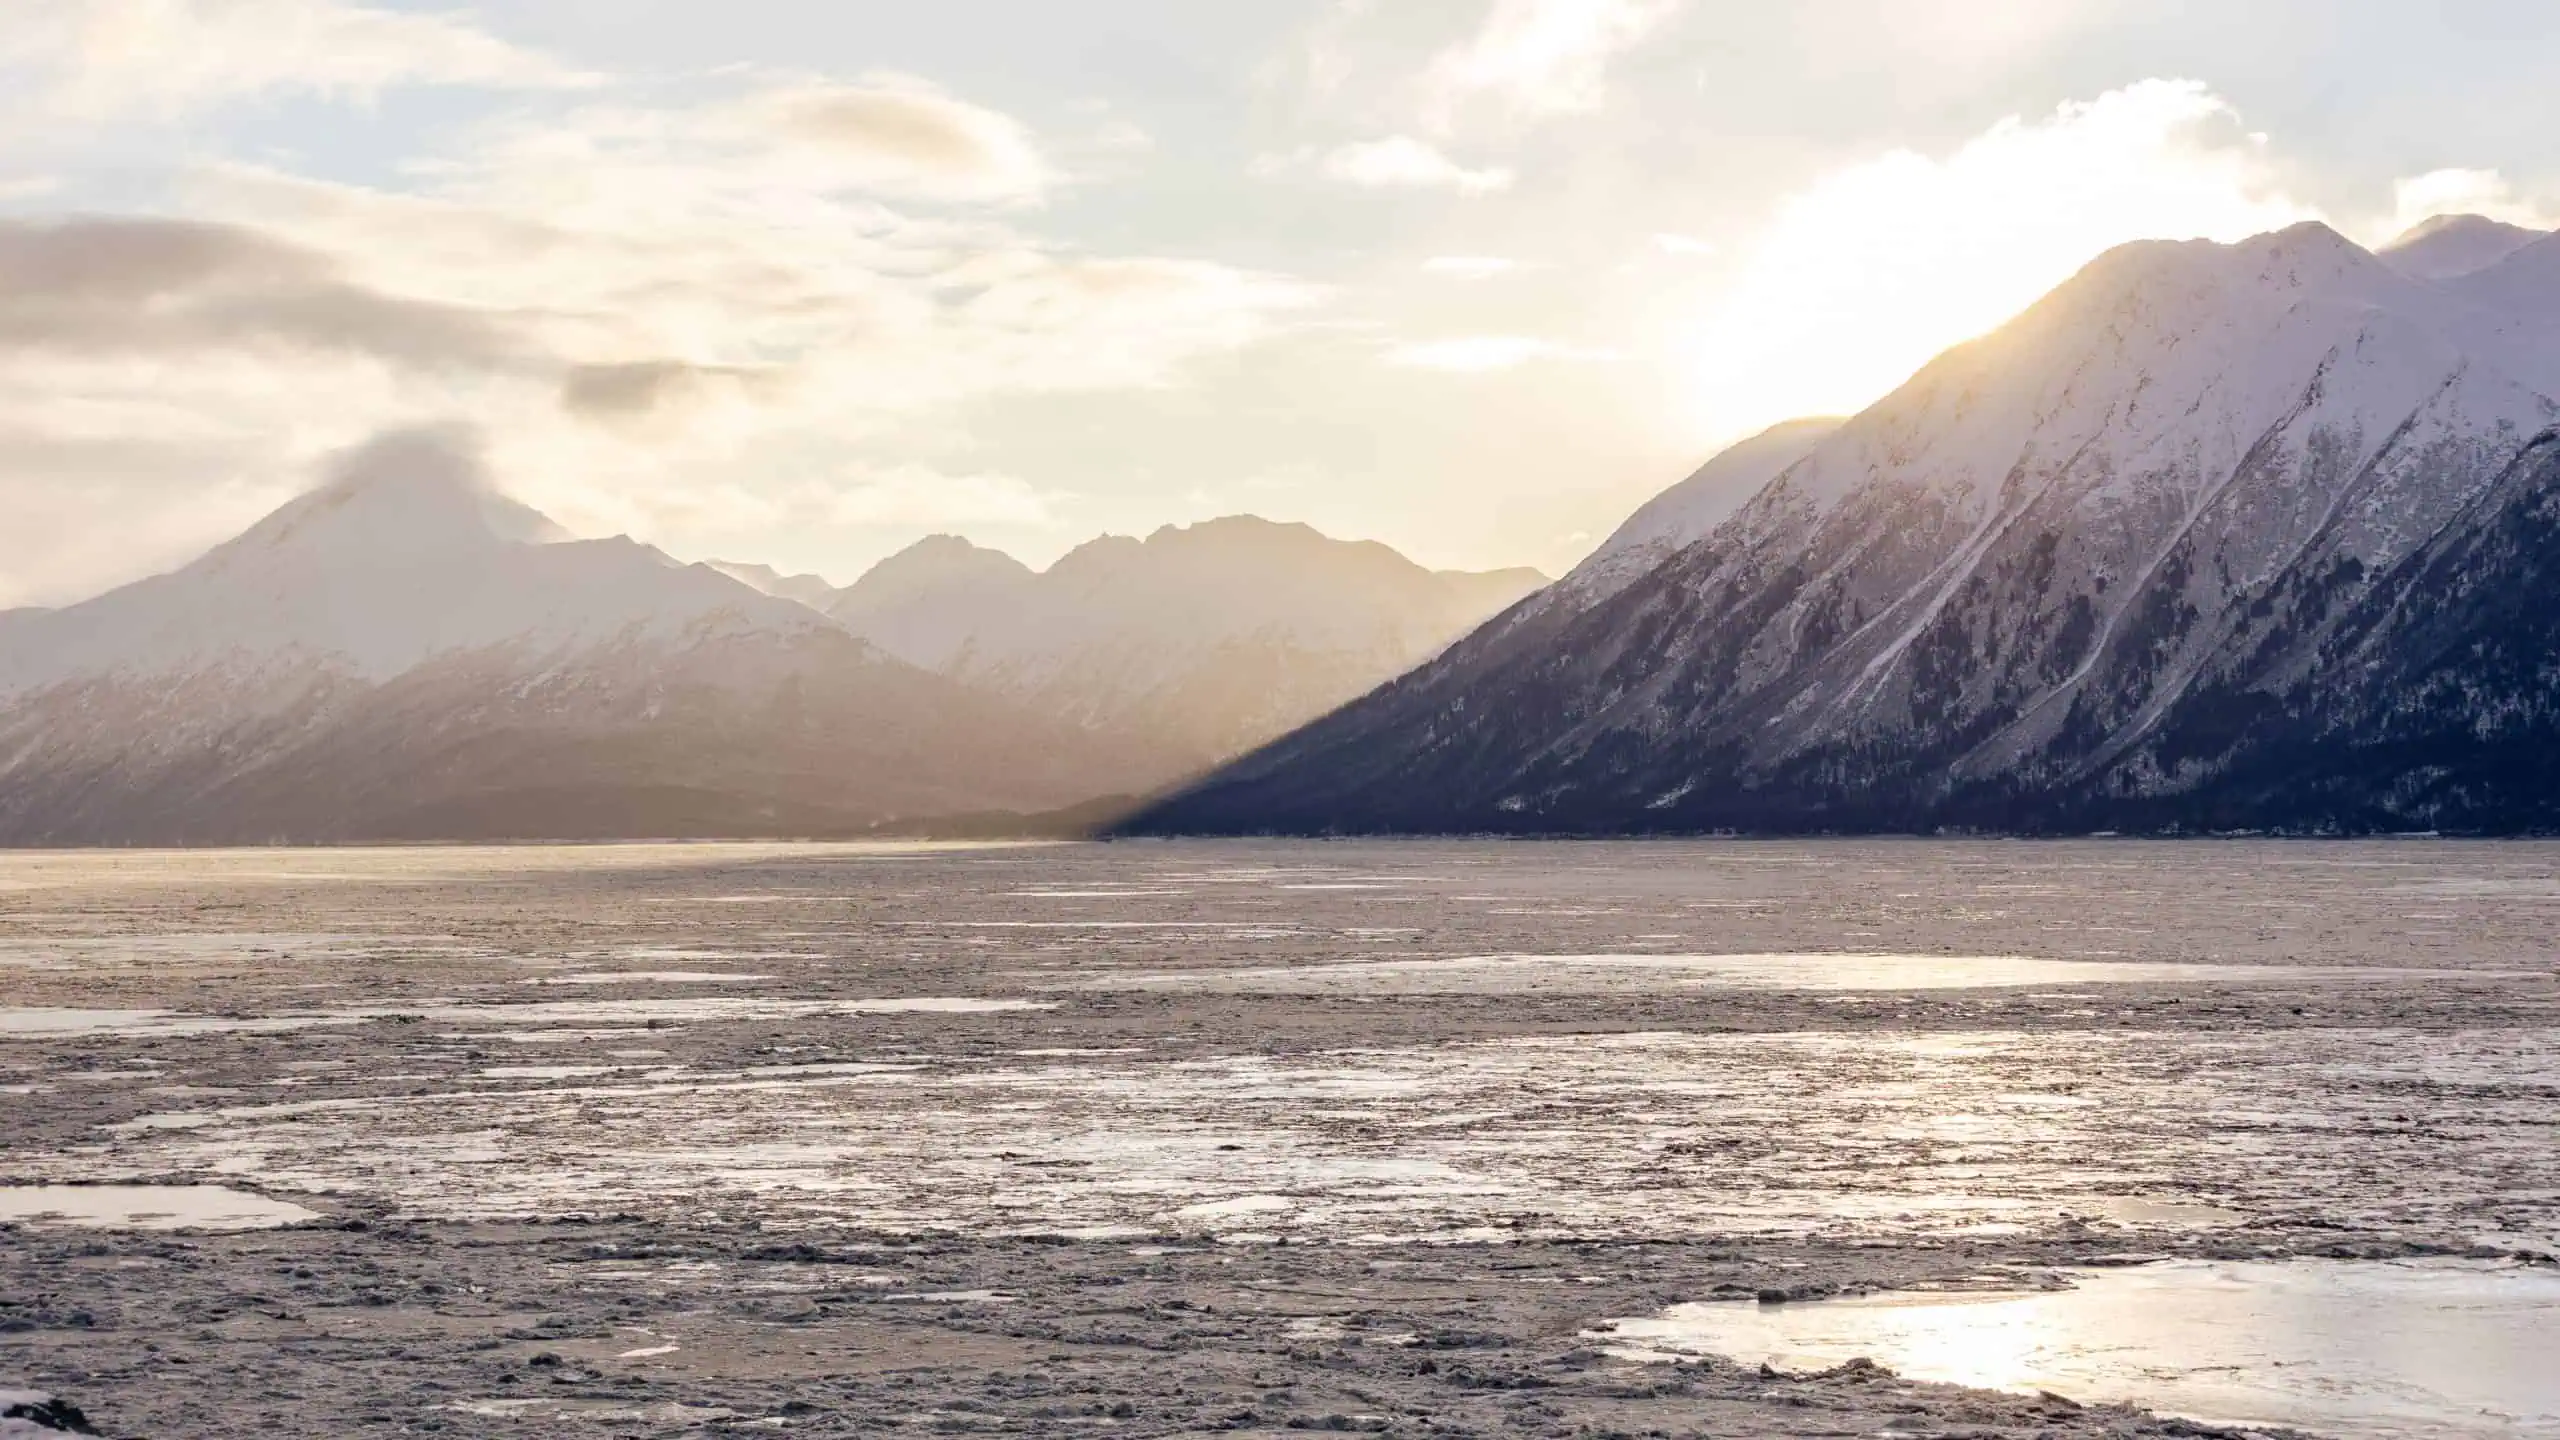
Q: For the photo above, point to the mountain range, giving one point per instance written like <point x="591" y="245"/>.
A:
<point x="2253" y="536"/>
<point x="404" y="653"/>
<point x="1208" y="639"/>
<point x="2246" y="536"/>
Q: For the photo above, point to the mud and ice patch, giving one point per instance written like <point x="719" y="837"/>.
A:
<point x="2412" y="1348"/>
<point x="50" y="1022"/>
<point x="147" y="1207"/>
<point x="54" y="1022"/>
<point x="1852" y="1134"/>
<point x="30" y="1414"/>
<point x="702" y="1008"/>
<point x="651" y="977"/>
<point x="1655" y="971"/>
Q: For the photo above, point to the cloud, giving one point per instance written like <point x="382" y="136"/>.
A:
<point x="1477" y="354"/>
<point x="1683" y="245"/>
<point x="1539" y="57"/>
<point x="767" y="149"/>
<point x="2421" y="198"/>
<point x="104" y="286"/>
<point x="1863" y="276"/>
<point x="1469" y="267"/>
<point x="1400" y="161"/>
<point x="645" y="392"/>
<point x="901" y="136"/>
<point x="97" y="60"/>
<point x="664" y="317"/>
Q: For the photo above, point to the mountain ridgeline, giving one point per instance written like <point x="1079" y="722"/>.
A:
<point x="2262" y="536"/>
<point x="405" y="654"/>
<point x="1209" y="639"/>
<point x="2258" y="536"/>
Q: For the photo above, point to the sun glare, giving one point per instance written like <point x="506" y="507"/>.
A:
<point x="1865" y="275"/>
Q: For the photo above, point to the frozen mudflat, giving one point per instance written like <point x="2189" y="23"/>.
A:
<point x="1172" y="1139"/>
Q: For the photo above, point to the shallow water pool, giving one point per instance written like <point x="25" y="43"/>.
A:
<point x="2408" y="1349"/>
<point x="146" y="1207"/>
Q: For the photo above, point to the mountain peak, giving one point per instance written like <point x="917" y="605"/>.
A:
<point x="936" y="558"/>
<point x="406" y="493"/>
<point x="937" y="572"/>
<point x="813" y="591"/>
<point x="2446" y="247"/>
<point x="1249" y="528"/>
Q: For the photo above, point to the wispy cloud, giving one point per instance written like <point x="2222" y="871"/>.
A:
<point x="1864" y="275"/>
<point x="899" y="135"/>
<point x="2420" y="198"/>
<point x="114" y="287"/>
<point x="102" y="60"/>
<point x="1469" y="267"/>
<point x="1401" y="161"/>
<point x="1539" y="57"/>
<point x="1477" y="354"/>
<point x="663" y="315"/>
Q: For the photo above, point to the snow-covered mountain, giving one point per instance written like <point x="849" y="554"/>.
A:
<point x="403" y="652"/>
<point x="1690" y="511"/>
<point x="2450" y="246"/>
<point x="2174" y="547"/>
<point x="1206" y="639"/>
<point x="926" y="603"/>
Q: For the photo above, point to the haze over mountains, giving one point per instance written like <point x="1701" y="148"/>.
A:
<point x="1209" y="638"/>
<point x="2214" y="536"/>
<point x="1205" y="639"/>
<point x="2249" y="536"/>
<point x="406" y="654"/>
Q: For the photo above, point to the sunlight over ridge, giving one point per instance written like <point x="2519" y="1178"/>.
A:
<point x="1869" y="272"/>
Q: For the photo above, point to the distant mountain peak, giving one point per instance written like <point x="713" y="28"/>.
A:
<point x="2446" y="247"/>
<point x="406" y="493"/>
<point x="811" y="590"/>
<point x="1236" y="527"/>
<point x="932" y="563"/>
<point x="1213" y="635"/>
<point x="404" y="553"/>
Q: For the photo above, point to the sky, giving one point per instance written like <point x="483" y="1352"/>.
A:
<point x="800" y="282"/>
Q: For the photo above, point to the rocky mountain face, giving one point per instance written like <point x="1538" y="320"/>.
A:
<point x="404" y="654"/>
<point x="1205" y="639"/>
<point x="2249" y="536"/>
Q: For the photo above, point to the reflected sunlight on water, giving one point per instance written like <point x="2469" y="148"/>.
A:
<point x="2436" y="1348"/>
